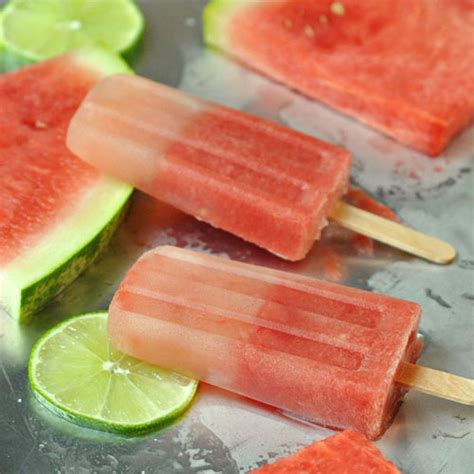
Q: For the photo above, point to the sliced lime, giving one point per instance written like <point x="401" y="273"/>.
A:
<point x="9" y="61"/>
<point x="75" y="372"/>
<point x="39" y="29"/>
<point x="1" y="29"/>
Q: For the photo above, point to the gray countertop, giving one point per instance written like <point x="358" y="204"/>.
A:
<point x="225" y="433"/>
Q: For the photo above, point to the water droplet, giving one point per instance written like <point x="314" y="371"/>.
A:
<point x="74" y="25"/>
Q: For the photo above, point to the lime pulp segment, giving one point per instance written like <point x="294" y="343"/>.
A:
<point x="77" y="374"/>
<point x="39" y="29"/>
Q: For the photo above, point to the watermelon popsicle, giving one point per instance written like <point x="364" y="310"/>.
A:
<point x="268" y="184"/>
<point x="322" y="351"/>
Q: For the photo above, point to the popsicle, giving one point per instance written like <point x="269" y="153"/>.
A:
<point x="342" y="453"/>
<point x="268" y="184"/>
<point x="325" y="352"/>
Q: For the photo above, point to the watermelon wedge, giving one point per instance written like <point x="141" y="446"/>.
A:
<point x="343" y="453"/>
<point x="56" y="212"/>
<point x="405" y="68"/>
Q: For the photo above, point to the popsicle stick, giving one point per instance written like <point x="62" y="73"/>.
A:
<point x="392" y="233"/>
<point x="437" y="383"/>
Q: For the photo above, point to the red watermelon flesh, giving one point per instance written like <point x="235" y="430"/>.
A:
<point x="318" y="350"/>
<point x="34" y="160"/>
<point x="56" y="212"/>
<point x="405" y="68"/>
<point x="344" y="453"/>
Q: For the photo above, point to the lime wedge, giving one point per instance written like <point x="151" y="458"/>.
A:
<point x="75" y="373"/>
<point x="39" y="29"/>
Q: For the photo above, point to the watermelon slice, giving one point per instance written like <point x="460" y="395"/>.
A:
<point x="405" y="69"/>
<point x="343" y="453"/>
<point x="56" y="212"/>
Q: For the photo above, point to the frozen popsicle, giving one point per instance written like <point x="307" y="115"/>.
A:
<point x="343" y="453"/>
<point x="268" y="184"/>
<point x="322" y="351"/>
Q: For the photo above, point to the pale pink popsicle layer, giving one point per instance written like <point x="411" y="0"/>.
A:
<point x="319" y="350"/>
<point x="261" y="181"/>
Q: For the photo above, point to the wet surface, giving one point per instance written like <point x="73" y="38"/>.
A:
<point x="224" y="433"/>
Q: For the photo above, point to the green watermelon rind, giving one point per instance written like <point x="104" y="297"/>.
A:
<point x="216" y="15"/>
<point x="43" y="291"/>
<point x="26" y="287"/>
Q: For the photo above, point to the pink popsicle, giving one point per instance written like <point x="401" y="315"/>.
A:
<point x="263" y="182"/>
<point x="322" y="351"/>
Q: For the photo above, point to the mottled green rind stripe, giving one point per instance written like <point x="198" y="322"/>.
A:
<point x="40" y="293"/>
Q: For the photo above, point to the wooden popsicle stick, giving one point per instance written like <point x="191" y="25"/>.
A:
<point x="437" y="383"/>
<point x="392" y="233"/>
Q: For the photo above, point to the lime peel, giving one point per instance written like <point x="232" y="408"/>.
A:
<point x="75" y="373"/>
<point x="37" y="30"/>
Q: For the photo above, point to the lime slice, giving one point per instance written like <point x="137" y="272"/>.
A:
<point x="75" y="372"/>
<point x="2" y="42"/>
<point x="9" y="61"/>
<point x="39" y="29"/>
<point x="1" y="29"/>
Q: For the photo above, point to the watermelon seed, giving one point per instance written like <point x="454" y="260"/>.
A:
<point x="309" y="31"/>
<point x="40" y="124"/>
<point x="338" y="8"/>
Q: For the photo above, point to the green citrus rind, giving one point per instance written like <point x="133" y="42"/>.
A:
<point x="94" y="422"/>
<point x="33" y="32"/>
<point x="9" y="61"/>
